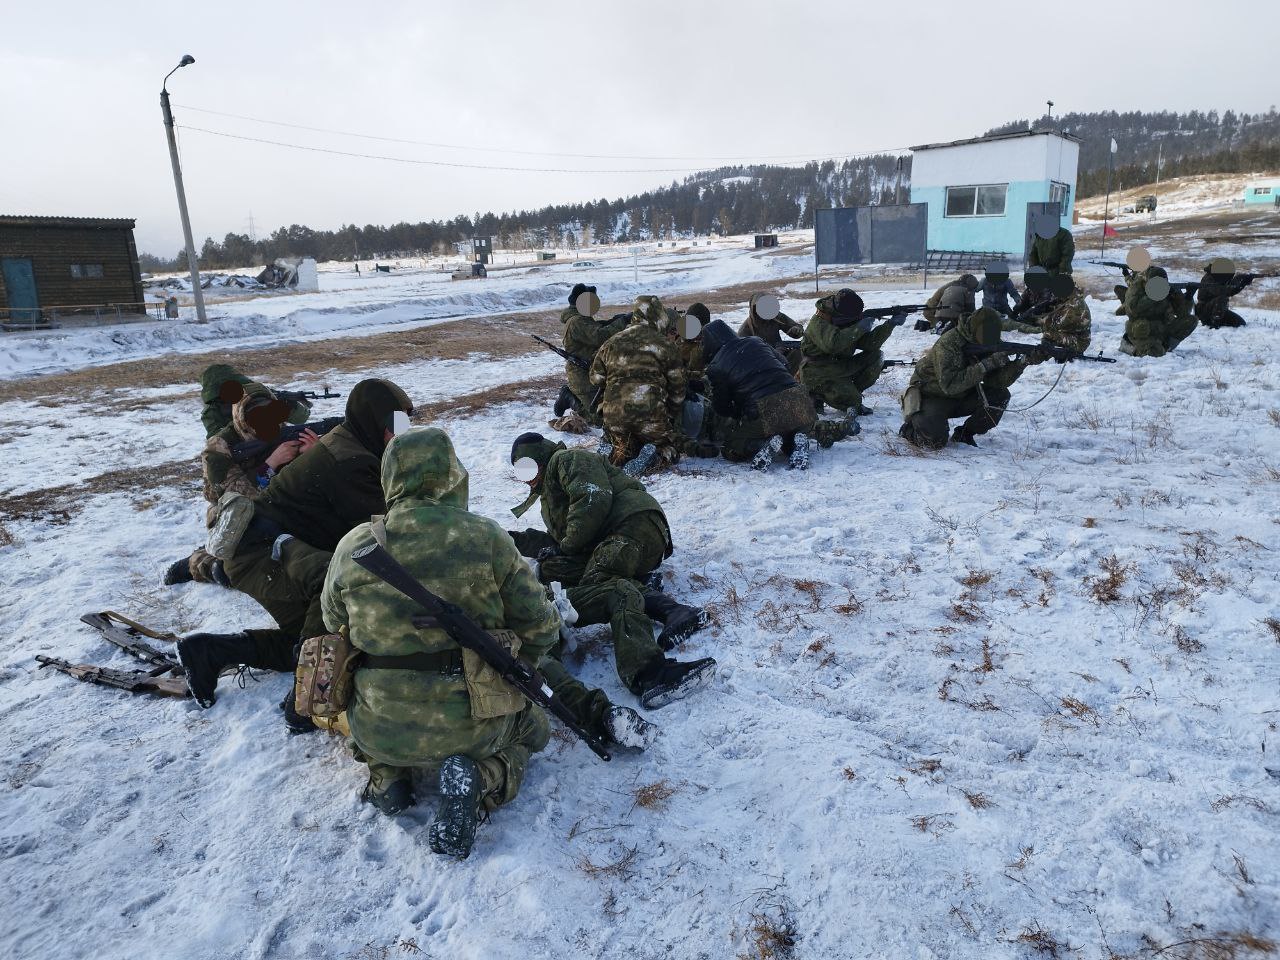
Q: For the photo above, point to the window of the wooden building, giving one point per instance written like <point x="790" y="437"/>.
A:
<point x="86" y="271"/>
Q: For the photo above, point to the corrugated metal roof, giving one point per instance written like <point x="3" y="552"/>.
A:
<point x="19" y="220"/>
<point x="1000" y="136"/>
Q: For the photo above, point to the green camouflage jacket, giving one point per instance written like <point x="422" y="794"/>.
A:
<point x="641" y="370"/>
<point x="945" y="371"/>
<point x="583" y="337"/>
<point x="1054" y="254"/>
<point x="831" y="349"/>
<point x="221" y="472"/>
<point x="410" y="717"/>
<point x="585" y="498"/>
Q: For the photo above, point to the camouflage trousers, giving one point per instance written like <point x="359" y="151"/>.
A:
<point x="783" y="414"/>
<point x="500" y="747"/>
<point x="929" y="428"/>
<point x="583" y="392"/>
<point x="1154" y="338"/>
<point x="628" y="437"/>
<point x="605" y="587"/>
<point x="842" y="387"/>
<point x="288" y="589"/>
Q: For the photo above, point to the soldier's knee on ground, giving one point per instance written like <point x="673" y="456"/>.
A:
<point x="926" y="431"/>
<point x="615" y="558"/>
<point x="503" y="772"/>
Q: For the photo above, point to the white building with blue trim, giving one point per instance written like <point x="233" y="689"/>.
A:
<point x="1263" y="192"/>
<point x="980" y="191"/>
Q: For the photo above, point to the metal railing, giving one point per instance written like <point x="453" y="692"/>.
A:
<point x="14" y="319"/>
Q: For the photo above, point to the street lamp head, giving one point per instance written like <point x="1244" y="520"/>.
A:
<point x="187" y="60"/>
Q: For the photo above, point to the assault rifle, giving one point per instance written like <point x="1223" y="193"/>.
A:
<point x="1248" y="278"/>
<point x="248" y="450"/>
<point x="1037" y="309"/>
<point x="898" y="363"/>
<point x="134" y="681"/>
<point x="1122" y="267"/>
<point x="469" y="635"/>
<point x="897" y="313"/>
<point x="163" y="674"/>
<point x="573" y="358"/>
<point x="1060" y="354"/>
<point x="299" y="396"/>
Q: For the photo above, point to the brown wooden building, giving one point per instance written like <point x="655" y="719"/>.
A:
<point x="66" y="265"/>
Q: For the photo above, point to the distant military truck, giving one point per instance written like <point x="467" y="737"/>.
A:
<point x="1145" y="205"/>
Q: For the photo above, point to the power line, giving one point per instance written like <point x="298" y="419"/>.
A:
<point x="531" y="153"/>
<point x="431" y="163"/>
<point x="455" y="164"/>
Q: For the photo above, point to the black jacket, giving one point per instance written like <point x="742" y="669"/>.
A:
<point x="743" y="371"/>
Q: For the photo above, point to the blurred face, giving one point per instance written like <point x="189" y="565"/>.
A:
<point x="527" y="471"/>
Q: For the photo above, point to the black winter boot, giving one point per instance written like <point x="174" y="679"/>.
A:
<point x="204" y="655"/>
<point x="390" y="795"/>
<point x="295" y="722"/>
<point x="664" y="681"/>
<point x="679" y="622"/>
<point x="179" y="572"/>
<point x="453" y="831"/>
<point x="962" y="435"/>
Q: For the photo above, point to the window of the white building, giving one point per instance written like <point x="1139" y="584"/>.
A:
<point x="984" y="200"/>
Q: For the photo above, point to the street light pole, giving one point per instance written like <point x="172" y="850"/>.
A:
<point x="192" y="265"/>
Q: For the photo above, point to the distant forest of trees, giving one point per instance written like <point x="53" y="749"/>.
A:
<point x="745" y="199"/>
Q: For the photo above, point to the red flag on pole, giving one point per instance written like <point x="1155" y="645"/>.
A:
<point x="1109" y="231"/>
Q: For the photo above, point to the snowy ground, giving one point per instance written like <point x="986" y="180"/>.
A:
<point x="1008" y="702"/>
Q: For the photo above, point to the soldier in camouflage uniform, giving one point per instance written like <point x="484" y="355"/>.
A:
<point x="605" y="537"/>
<point x="644" y="386"/>
<point x="1067" y="322"/>
<point x="947" y="384"/>
<point x="770" y="331"/>
<point x="1054" y="254"/>
<point x="583" y="337"/>
<point x="842" y="355"/>
<point x="1155" y="326"/>
<point x="952" y="300"/>
<point x="217" y="409"/>
<point x="1214" y="295"/>
<point x="223" y="473"/>
<point x="298" y="521"/>
<point x="419" y="701"/>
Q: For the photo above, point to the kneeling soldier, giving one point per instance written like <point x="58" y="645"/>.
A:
<point x="417" y="702"/>
<point x="948" y="383"/>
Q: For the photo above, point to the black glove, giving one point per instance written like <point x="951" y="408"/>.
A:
<point x="923" y="325"/>
<point x="546" y="553"/>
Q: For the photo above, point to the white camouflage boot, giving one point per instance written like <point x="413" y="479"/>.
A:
<point x="800" y="454"/>
<point x="766" y="455"/>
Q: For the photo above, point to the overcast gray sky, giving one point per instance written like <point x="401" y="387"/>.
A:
<point x="82" y="133"/>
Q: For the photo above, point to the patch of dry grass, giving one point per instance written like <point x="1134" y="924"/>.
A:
<point x="653" y="796"/>
<point x="1106" y="588"/>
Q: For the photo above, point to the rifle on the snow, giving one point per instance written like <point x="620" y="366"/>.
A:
<point x="573" y="358"/>
<point x="134" y="681"/>
<point x="298" y="396"/>
<point x="898" y="363"/>
<point x="1060" y="354"/>
<point x="249" y="450"/>
<point x="165" y="675"/>
<point x="469" y="635"/>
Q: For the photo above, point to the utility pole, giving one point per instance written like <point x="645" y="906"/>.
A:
<point x="1107" y="207"/>
<point x="182" y="193"/>
<point x="1159" y="160"/>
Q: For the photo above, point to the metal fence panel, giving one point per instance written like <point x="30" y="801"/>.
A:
<point x="895" y="233"/>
